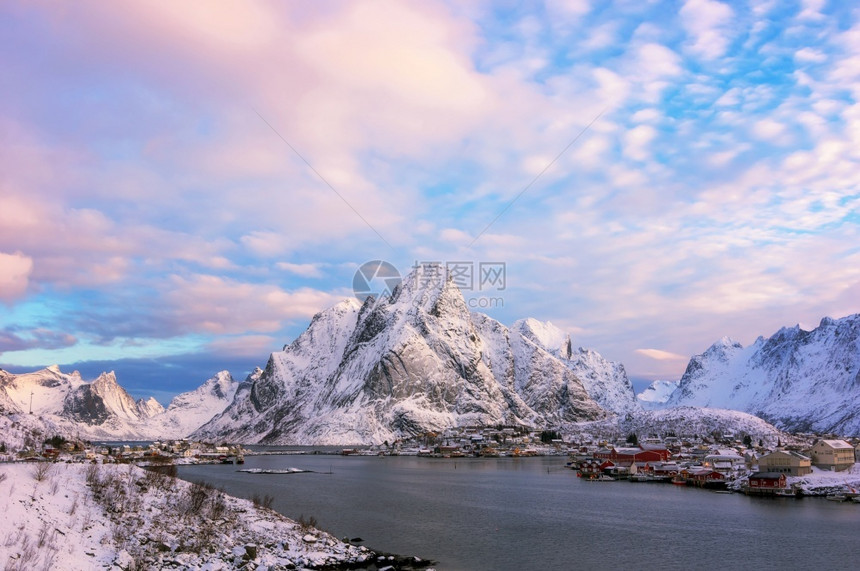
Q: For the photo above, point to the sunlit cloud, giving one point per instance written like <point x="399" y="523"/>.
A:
<point x="659" y="355"/>
<point x="222" y="189"/>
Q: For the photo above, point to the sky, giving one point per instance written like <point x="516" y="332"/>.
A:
<point x="184" y="185"/>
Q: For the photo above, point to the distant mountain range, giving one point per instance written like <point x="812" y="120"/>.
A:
<point x="419" y="361"/>
<point x="103" y="410"/>
<point x="798" y="380"/>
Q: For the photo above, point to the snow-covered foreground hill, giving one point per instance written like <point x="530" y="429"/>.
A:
<point x="88" y="516"/>
<point x="798" y="380"/>
<point x="418" y="361"/>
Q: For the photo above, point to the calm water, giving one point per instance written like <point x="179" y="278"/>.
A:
<point x="531" y="513"/>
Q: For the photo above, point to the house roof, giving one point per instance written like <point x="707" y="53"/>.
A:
<point x="837" y="444"/>
<point x="786" y="452"/>
<point x="767" y="475"/>
<point x="652" y="446"/>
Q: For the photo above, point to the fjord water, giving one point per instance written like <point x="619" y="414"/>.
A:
<point x="532" y="513"/>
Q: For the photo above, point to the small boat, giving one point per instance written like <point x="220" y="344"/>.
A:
<point x="785" y="493"/>
<point x="837" y="497"/>
<point x="600" y="478"/>
<point x="679" y="480"/>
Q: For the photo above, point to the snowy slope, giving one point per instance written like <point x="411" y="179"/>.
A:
<point x="415" y="362"/>
<point x="657" y="394"/>
<point x="93" y="516"/>
<point x="39" y="392"/>
<point x="684" y="422"/>
<point x="799" y="380"/>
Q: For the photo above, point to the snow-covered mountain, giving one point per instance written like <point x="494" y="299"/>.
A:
<point x="657" y="394"/>
<point x="66" y="404"/>
<point x="189" y="411"/>
<point x="606" y="382"/>
<point x="52" y="392"/>
<point x="413" y="362"/>
<point x="798" y="380"/>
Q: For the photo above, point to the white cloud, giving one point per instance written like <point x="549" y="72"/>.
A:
<point x="710" y="25"/>
<point x="304" y="270"/>
<point x="810" y="55"/>
<point x="266" y="244"/>
<point x="657" y="61"/>
<point x="569" y="7"/>
<point x="769" y="130"/>
<point x="221" y="306"/>
<point x="811" y="10"/>
<point x="637" y="142"/>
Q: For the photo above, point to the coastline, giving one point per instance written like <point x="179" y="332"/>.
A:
<point x="79" y="516"/>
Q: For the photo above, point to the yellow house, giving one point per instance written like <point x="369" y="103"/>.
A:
<point x="833" y="455"/>
<point x="785" y="462"/>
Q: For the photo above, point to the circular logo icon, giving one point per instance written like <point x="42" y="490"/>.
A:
<point x="376" y="278"/>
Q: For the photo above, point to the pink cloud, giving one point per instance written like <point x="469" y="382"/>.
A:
<point x="15" y="270"/>
<point x="215" y="305"/>
<point x="660" y="355"/>
<point x="255" y="346"/>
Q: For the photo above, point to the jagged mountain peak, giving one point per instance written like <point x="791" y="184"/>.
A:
<point x="106" y="379"/>
<point x="220" y="385"/>
<point x="254" y="375"/>
<point x="149" y="407"/>
<point x="724" y="347"/>
<point x="544" y="333"/>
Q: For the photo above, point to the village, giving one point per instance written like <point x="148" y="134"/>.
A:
<point x="804" y="465"/>
<point x="826" y="467"/>
<point x="141" y="453"/>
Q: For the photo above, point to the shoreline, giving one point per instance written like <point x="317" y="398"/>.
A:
<point x="77" y="516"/>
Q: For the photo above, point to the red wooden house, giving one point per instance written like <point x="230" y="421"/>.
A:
<point x="766" y="482"/>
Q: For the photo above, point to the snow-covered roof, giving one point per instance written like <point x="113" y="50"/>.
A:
<point x="789" y="453"/>
<point x="841" y="444"/>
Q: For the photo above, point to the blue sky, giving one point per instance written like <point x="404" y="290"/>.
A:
<point x="154" y="220"/>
